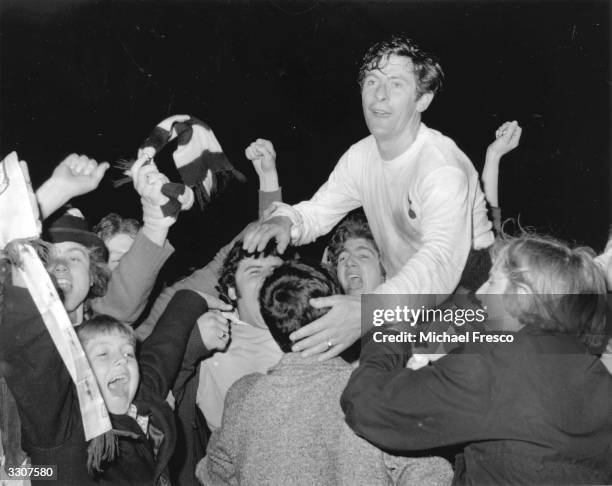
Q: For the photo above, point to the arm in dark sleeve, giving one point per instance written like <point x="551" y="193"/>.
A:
<point x="196" y="351"/>
<point x="37" y="377"/>
<point x="399" y="409"/>
<point x="163" y="351"/>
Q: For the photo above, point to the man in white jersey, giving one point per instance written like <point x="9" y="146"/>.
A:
<point x="419" y="191"/>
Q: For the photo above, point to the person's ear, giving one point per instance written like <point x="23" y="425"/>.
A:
<point x="231" y="293"/>
<point x="522" y="289"/>
<point x="325" y="258"/>
<point x="424" y="101"/>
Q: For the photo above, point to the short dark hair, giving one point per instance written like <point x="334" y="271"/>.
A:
<point x="427" y="69"/>
<point x="103" y="324"/>
<point x="113" y="224"/>
<point x="285" y="294"/>
<point x="354" y="225"/>
<point x="227" y="274"/>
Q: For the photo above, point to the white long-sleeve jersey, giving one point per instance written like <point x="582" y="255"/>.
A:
<point x="425" y="209"/>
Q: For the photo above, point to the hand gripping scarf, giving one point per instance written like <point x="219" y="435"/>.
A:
<point x="201" y="163"/>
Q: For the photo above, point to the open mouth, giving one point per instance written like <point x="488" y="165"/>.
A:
<point x="119" y="385"/>
<point x="64" y="283"/>
<point x="354" y="281"/>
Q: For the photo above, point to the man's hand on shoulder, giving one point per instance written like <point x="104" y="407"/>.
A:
<point x="332" y="333"/>
<point x="257" y="236"/>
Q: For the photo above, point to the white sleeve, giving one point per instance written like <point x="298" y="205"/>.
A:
<point x="447" y="234"/>
<point x="333" y="200"/>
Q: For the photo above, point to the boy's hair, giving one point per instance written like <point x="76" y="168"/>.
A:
<point x="285" y="295"/>
<point x="427" y="69"/>
<point x="354" y="225"/>
<point x="566" y="290"/>
<point x="102" y="325"/>
<point x="112" y="224"/>
<point x="227" y="274"/>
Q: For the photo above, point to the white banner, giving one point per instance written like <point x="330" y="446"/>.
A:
<point x="19" y="220"/>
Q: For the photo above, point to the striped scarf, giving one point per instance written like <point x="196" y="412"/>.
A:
<point x="200" y="161"/>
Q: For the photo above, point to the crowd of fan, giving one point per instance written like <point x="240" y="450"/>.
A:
<point x="234" y="375"/>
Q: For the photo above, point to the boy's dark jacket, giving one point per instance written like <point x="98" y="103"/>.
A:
<point x="48" y="404"/>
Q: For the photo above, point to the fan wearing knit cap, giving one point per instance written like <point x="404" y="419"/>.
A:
<point x="132" y="281"/>
<point x="77" y="261"/>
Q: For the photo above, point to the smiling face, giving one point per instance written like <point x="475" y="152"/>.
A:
<point x="69" y="263"/>
<point x="117" y="245"/>
<point x="113" y="360"/>
<point x="358" y="268"/>
<point x="391" y="106"/>
<point x="250" y="274"/>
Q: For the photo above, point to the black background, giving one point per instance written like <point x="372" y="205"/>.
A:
<point x="96" y="76"/>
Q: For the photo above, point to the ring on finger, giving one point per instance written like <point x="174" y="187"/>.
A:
<point x="329" y="344"/>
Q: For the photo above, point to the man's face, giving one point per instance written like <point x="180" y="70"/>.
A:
<point x="69" y="263"/>
<point x="389" y="99"/>
<point x="358" y="268"/>
<point x="113" y="360"/>
<point x="117" y="246"/>
<point x="250" y="274"/>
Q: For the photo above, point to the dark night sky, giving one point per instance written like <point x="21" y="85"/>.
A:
<point x="96" y="76"/>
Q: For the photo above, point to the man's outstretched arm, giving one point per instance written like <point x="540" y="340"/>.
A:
<point x="306" y="221"/>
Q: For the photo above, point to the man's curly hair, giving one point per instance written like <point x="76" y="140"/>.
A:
<point x="427" y="69"/>
<point x="227" y="274"/>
